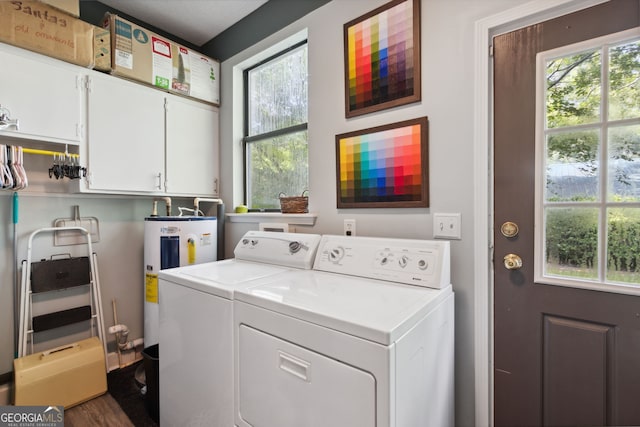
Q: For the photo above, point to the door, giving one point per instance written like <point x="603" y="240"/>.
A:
<point x="125" y="135"/>
<point x="192" y="147"/>
<point x="285" y="385"/>
<point x="44" y="94"/>
<point x="566" y="348"/>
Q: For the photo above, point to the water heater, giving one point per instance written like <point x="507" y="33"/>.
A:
<point x="172" y="241"/>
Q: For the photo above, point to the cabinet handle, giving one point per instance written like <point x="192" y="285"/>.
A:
<point x="215" y="186"/>
<point x="159" y="186"/>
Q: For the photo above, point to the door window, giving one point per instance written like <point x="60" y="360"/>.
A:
<point x="588" y="164"/>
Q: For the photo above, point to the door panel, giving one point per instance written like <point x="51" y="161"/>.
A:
<point x="125" y="135"/>
<point x="563" y="356"/>
<point x="42" y="93"/>
<point x="564" y="404"/>
<point x="192" y="147"/>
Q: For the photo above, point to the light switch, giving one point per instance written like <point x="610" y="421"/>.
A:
<point x="446" y="226"/>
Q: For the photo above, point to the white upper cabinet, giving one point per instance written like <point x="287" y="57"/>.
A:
<point x="125" y="136"/>
<point x="44" y="94"/>
<point x="192" y="147"/>
<point x="132" y="138"/>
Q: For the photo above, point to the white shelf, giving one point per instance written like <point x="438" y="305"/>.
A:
<point x="257" y="217"/>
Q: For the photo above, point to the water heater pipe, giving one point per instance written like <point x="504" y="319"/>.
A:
<point x="167" y="202"/>
<point x="133" y="344"/>
<point x="122" y="335"/>
<point x="197" y="200"/>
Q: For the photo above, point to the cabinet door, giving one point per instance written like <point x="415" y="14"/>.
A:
<point x="192" y="147"/>
<point x="44" y="94"/>
<point x="125" y="135"/>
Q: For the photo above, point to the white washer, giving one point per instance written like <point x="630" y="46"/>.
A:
<point x="196" y="324"/>
<point x="349" y="343"/>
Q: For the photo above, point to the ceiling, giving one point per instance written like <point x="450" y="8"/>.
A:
<point x="195" y="21"/>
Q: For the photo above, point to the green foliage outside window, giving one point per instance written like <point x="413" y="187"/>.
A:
<point x="276" y="145"/>
<point x="572" y="241"/>
<point x="593" y="127"/>
<point x="284" y="160"/>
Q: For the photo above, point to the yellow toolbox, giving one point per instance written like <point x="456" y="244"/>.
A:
<point x="66" y="375"/>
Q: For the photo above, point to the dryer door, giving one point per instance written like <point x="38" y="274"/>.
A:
<point x="284" y="385"/>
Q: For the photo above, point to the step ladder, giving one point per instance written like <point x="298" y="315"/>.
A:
<point x="47" y="277"/>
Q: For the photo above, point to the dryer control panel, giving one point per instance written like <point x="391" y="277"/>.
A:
<point x="414" y="262"/>
<point x="296" y="250"/>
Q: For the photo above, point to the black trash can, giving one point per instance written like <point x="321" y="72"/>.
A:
<point x="152" y="378"/>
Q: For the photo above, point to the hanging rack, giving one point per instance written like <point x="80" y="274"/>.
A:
<point x="66" y="165"/>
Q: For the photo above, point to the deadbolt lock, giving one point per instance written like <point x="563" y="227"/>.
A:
<point x="509" y="229"/>
<point x="512" y="262"/>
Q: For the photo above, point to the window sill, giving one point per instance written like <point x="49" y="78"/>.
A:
<point x="257" y="217"/>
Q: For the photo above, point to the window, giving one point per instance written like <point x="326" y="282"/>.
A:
<point x="588" y="182"/>
<point x="275" y="142"/>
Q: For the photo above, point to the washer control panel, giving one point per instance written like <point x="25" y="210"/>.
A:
<point x="296" y="250"/>
<point x="415" y="262"/>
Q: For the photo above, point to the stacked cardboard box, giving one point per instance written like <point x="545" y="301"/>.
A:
<point x="142" y="55"/>
<point x="101" y="49"/>
<point x="45" y="29"/>
<point x="121" y="47"/>
<point x="72" y="7"/>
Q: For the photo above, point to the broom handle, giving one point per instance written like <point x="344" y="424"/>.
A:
<point x="16" y="281"/>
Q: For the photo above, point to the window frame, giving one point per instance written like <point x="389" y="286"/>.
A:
<point x="247" y="139"/>
<point x="603" y="204"/>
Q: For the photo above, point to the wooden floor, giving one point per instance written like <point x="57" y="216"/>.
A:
<point x="101" y="411"/>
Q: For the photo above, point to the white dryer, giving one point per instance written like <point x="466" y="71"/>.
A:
<point x="364" y="339"/>
<point x="196" y="324"/>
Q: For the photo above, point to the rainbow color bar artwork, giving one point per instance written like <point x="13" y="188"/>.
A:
<point x="382" y="57"/>
<point x="384" y="166"/>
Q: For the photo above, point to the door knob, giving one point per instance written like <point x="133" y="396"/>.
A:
<point x="512" y="262"/>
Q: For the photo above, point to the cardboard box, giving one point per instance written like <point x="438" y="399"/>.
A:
<point x="142" y="55"/>
<point x="72" y="7"/>
<point x="195" y="75"/>
<point x="101" y="49"/>
<point x="44" y="29"/>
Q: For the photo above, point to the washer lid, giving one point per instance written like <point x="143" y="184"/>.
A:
<point x="375" y="310"/>
<point x="220" y="278"/>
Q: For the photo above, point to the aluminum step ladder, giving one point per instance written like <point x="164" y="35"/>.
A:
<point x="53" y="275"/>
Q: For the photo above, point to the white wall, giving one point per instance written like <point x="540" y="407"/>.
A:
<point x="447" y="99"/>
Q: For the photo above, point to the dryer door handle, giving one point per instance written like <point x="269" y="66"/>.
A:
<point x="295" y="366"/>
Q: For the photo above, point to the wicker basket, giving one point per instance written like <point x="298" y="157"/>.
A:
<point x="294" y="204"/>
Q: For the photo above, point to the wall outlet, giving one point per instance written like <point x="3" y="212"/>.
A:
<point x="446" y="226"/>
<point x="349" y="227"/>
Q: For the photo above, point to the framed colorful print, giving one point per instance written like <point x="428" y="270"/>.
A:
<point x="382" y="58"/>
<point x="384" y="167"/>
